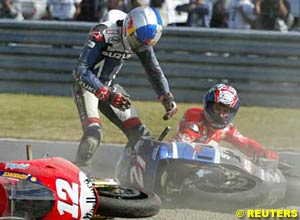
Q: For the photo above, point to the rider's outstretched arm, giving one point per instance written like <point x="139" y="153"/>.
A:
<point x="248" y="146"/>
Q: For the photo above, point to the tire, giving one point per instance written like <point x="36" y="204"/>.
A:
<point x="194" y="198"/>
<point x="136" y="205"/>
<point x="262" y="195"/>
<point x="257" y="194"/>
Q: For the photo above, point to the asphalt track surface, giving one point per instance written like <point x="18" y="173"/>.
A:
<point x="106" y="158"/>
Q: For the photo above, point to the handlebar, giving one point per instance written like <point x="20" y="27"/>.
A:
<point x="164" y="133"/>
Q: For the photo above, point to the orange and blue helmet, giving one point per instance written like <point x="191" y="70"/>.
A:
<point x="221" y="104"/>
<point x="142" y="28"/>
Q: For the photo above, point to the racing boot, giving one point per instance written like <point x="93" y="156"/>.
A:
<point x="134" y="134"/>
<point x="87" y="148"/>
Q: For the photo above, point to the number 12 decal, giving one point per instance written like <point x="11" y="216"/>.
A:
<point x="65" y="190"/>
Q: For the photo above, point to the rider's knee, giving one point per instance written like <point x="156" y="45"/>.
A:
<point x="92" y="138"/>
<point x="93" y="131"/>
<point x="89" y="143"/>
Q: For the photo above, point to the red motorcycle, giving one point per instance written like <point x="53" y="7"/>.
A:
<point x="54" y="188"/>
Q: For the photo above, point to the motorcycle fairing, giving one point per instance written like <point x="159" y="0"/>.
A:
<point x="142" y="166"/>
<point x="24" y="198"/>
<point x="140" y="169"/>
<point x="74" y="196"/>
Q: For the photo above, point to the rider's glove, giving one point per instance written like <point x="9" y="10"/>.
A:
<point x="170" y="105"/>
<point x="118" y="100"/>
<point x="270" y="154"/>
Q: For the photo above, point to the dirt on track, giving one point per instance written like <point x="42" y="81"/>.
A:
<point x="188" y="214"/>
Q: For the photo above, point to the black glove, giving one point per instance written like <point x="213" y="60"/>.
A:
<point x="116" y="99"/>
<point x="169" y="103"/>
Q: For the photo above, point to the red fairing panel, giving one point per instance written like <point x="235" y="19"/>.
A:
<point x="73" y="194"/>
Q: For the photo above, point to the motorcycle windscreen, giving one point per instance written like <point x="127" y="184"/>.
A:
<point x="24" y="199"/>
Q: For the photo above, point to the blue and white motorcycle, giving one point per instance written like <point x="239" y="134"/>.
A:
<point x="201" y="176"/>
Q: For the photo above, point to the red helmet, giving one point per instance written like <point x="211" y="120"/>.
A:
<point x="221" y="104"/>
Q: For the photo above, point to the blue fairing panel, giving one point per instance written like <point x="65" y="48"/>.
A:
<point x="187" y="151"/>
<point x="165" y="151"/>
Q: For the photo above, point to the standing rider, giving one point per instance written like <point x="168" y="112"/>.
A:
<point x="109" y="43"/>
<point x="213" y="123"/>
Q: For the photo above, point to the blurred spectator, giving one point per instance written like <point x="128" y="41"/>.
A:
<point x="63" y="10"/>
<point x="88" y="11"/>
<point x="170" y="13"/>
<point x="33" y="9"/>
<point x="273" y="15"/>
<point x="199" y="12"/>
<point x="219" y="17"/>
<point x="157" y="3"/>
<point x="160" y="6"/>
<point x="241" y="14"/>
<point x="10" y="9"/>
<point x="121" y="5"/>
<point x="137" y="3"/>
<point x="170" y="16"/>
<point x="101" y="7"/>
<point x="180" y="16"/>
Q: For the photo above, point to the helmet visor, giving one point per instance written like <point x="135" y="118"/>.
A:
<point x="220" y="115"/>
<point x="222" y="110"/>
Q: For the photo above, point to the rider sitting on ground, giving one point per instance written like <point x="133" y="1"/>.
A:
<point x="213" y="123"/>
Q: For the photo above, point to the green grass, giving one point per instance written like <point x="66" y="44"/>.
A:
<point x="55" y="118"/>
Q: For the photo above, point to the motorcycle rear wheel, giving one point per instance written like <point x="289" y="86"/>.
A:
<point x="249" y="191"/>
<point x="229" y="200"/>
<point x="125" y="202"/>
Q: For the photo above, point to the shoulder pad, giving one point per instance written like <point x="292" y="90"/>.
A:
<point x="193" y="111"/>
<point x="97" y="32"/>
<point x="99" y="27"/>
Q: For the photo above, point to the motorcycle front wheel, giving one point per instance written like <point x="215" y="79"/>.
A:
<point x="126" y="202"/>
